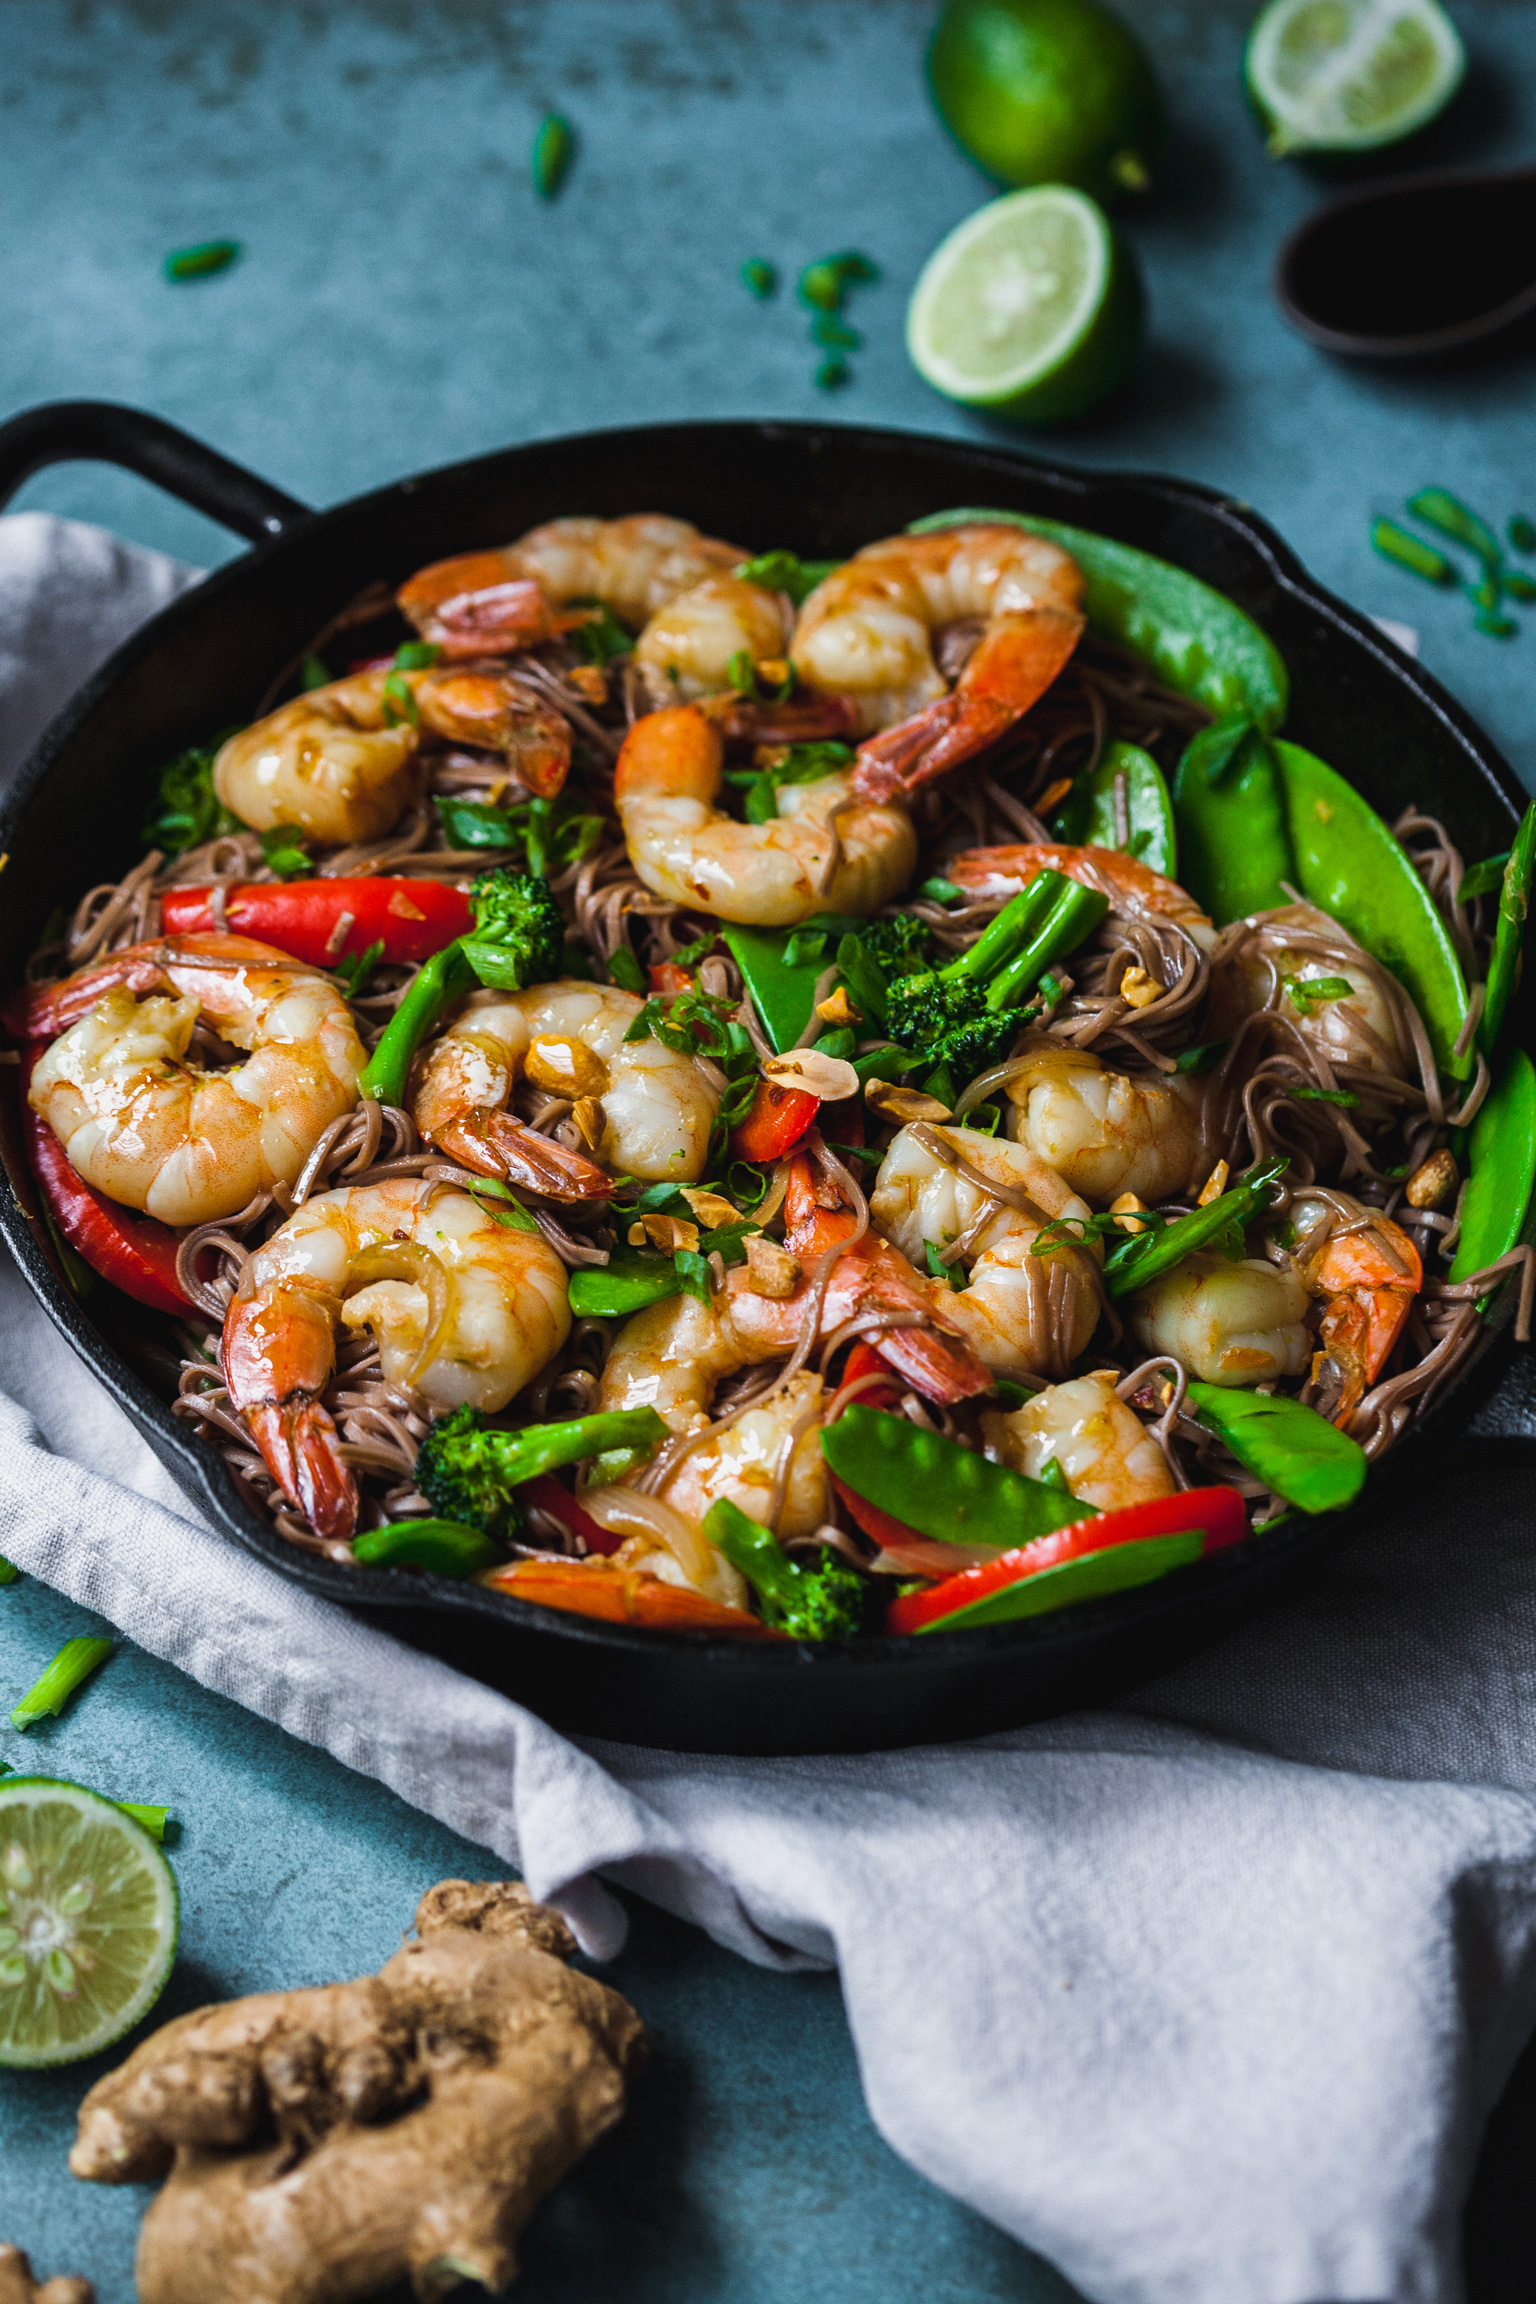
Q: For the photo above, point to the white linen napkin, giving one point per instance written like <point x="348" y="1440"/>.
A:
<point x="1206" y="1998"/>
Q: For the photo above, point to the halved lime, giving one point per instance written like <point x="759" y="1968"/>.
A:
<point x="1348" y="75"/>
<point x="89" y="1918"/>
<point x="1031" y="308"/>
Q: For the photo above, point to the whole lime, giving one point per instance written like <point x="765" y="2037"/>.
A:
<point x="1047" y="92"/>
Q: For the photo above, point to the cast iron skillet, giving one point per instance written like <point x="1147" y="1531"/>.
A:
<point x="822" y="490"/>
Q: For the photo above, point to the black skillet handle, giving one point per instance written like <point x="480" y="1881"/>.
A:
<point x="103" y="432"/>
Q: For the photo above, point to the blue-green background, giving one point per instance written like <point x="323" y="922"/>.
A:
<point x="404" y="299"/>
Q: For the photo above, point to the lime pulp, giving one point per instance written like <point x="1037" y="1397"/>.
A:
<point x="1349" y="75"/>
<point x="89" y="1918"/>
<point x="1030" y="309"/>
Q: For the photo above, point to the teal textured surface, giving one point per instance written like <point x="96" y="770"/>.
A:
<point x="402" y="298"/>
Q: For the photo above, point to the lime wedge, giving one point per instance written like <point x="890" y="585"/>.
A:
<point x="1031" y="308"/>
<point x="89" y="1917"/>
<point x="1347" y="75"/>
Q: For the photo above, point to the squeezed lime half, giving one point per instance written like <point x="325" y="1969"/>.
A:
<point x="1348" y="75"/>
<point x="89" y="1918"/>
<point x="1030" y="309"/>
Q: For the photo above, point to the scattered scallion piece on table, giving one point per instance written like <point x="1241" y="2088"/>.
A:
<point x="153" y="1820"/>
<point x="1410" y="552"/>
<point x="9" y="1572"/>
<point x="1522" y="532"/>
<point x="51" y="1691"/>
<point x="759" y="277"/>
<point x="199" y="263"/>
<point x="553" y="147"/>
<point x="823" y="290"/>
<point x="1438" y="508"/>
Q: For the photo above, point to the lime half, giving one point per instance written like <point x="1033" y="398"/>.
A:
<point x="1347" y="75"/>
<point x="89" y="1917"/>
<point x="1030" y="309"/>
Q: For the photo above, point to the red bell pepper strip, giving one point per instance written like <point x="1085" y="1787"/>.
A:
<point x="133" y="1252"/>
<point x="778" y="1119"/>
<point x="553" y="1496"/>
<point x="864" y="1361"/>
<point x="667" y="978"/>
<point x="623" y="1596"/>
<point x="412" y="919"/>
<point x="1211" y="1519"/>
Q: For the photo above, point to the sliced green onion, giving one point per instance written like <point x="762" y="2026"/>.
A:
<point x="1411" y="552"/>
<point x="283" y="847"/>
<point x="199" y="263"/>
<point x="417" y="655"/>
<point x="1440" y="509"/>
<point x="1522" y="532"/>
<point x="759" y="277"/>
<point x="1482" y="878"/>
<point x="553" y="145"/>
<point x="51" y="1691"/>
<point x="9" y="1572"/>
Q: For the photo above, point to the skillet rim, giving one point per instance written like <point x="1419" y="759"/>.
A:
<point x="389" y="1592"/>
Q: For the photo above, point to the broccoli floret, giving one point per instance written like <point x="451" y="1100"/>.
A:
<point x="898" y="946"/>
<point x="519" y="932"/>
<point x="459" y="1469"/>
<point x="470" y="1469"/>
<point x="828" y="1602"/>
<point x="950" y="1023"/>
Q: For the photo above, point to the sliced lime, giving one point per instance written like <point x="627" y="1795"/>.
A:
<point x="89" y="1917"/>
<point x="1347" y="75"/>
<point x="1031" y="308"/>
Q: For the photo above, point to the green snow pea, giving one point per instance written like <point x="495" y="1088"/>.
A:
<point x="1502" y="1156"/>
<point x="1234" y="833"/>
<point x="1509" y="934"/>
<point x="445" y="1547"/>
<point x="939" y="1488"/>
<point x="1196" y="639"/>
<point x="1087" y="815"/>
<point x="780" y="966"/>
<point x="1284" y="1443"/>
<point x="1091" y="1576"/>
<point x="1349" y="865"/>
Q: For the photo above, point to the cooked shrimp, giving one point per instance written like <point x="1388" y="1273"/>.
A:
<point x="331" y="763"/>
<point x="826" y="851"/>
<point x="1291" y="947"/>
<point x="687" y="647"/>
<point x="155" y="1131"/>
<point x="1108" y="1132"/>
<point x="490" y="603"/>
<point x="1234" y="1324"/>
<point x="651" y="1108"/>
<point x="1022" y="1314"/>
<point x="1106" y="1454"/>
<point x="1129" y="885"/>
<point x="867" y="631"/>
<point x="1366" y="1271"/>
<point x="463" y="1309"/>
<point x="671" y="1357"/>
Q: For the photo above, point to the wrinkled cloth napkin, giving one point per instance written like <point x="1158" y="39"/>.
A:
<point x="1206" y="1997"/>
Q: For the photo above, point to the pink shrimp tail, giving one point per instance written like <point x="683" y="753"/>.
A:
<point x="497" y="1144"/>
<point x="301" y="1449"/>
<point x="1010" y="670"/>
<point x="43" y="1011"/>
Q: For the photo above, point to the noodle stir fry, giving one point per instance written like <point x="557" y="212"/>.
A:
<point x="789" y="1099"/>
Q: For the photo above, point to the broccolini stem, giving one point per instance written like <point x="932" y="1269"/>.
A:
<point x="543" y="1448"/>
<point x="1072" y="918"/>
<point x="1014" y="925"/>
<point x="436" y="983"/>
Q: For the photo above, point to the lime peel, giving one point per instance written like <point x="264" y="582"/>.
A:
<point x="89" y="1922"/>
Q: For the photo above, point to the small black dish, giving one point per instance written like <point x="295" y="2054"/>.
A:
<point x="1415" y="268"/>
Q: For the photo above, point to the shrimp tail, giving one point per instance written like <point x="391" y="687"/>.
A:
<point x="300" y="1447"/>
<point x="474" y="606"/>
<point x="496" y="1144"/>
<point x="807" y="720"/>
<point x="1010" y="670"/>
<point x="942" y="1368"/>
<point x="1368" y="1280"/>
<point x="43" y="1011"/>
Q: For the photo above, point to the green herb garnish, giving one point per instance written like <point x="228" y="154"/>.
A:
<point x="550" y="159"/>
<point x="282" y="845"/>
<point x="201" y="262"/>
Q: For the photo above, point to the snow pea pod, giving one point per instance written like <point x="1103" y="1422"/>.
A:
<point x="1502" y="1153"/>
<point x="1199" y="642"/>
<point x="1349" y="865"/>
<point x="780" y="967"/>
<point x="1233" y="825"/>
<point x="1286" y="1444"/>
<point x="445" y="1547"/>
<point x="1136" y="1262"/>
<point x="1087" y="816"/>
<point x="1509" y="934"/>
<point x="939" y="1488"/>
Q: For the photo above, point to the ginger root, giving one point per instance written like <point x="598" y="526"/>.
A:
<point x="18" y="2286"/>
<point x="321" y="2144"/>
